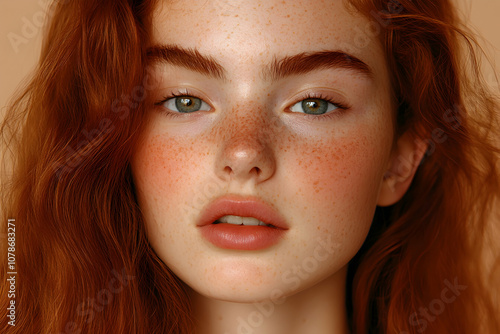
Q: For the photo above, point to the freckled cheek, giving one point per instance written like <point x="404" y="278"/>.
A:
<point x="164" y="167"/>
<point x="341" y="177"/>
<point x="166" y="170"/>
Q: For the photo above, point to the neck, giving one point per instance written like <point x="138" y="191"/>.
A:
<point x="319" y="309"/>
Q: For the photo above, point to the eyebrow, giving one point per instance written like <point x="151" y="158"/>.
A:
<point x="307" y="62"/>
<point x="301" y="63"/>
<point x="188" y="58"/>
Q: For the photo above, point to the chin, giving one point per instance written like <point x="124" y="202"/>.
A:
<point x="241" y="293"/>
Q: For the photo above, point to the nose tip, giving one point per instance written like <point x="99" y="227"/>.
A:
<point x="246" y="157"/>
<point x="244" y="160"/>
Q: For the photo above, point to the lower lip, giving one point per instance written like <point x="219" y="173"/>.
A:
<point x="229" y="236"/>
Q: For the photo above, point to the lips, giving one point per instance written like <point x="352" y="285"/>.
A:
<point x="241" y="236"/>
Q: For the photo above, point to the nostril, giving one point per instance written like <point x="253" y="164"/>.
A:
<point x="228" y="170"/>
<point x="257" y="170"/>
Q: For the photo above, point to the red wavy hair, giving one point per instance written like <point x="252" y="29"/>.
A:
<point x="83" y="260"/>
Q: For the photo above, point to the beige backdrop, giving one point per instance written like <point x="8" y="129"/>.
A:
<point x="22" y="21"/>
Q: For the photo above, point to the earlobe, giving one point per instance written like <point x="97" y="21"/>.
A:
<point x="404" y="162"/>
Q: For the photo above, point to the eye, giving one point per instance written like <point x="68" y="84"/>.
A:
<point x="314" y="106"/>
<point x="186" y="104"/>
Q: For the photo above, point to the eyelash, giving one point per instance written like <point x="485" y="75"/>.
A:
<point x="176" y="94"/>
<point x="341" y="107"/>
<point x="333" y="114"/>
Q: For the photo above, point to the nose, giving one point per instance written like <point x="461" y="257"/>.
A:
<point x="247" y="151"/>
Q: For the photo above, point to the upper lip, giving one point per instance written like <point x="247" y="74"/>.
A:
<point x="241" y="206"/>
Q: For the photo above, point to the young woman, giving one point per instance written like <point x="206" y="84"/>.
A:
<point x="251" y="167"/>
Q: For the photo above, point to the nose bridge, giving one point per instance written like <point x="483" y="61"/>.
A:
<point x="247" y="124"/>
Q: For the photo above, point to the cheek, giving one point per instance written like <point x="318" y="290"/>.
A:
<point x="164" y="170"/>
<point x="162" y="163"/>
<point x="337" y="181"/>
<point x="341" y="166"/>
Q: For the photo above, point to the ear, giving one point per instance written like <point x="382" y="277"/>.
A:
<point x="403" y="164"/>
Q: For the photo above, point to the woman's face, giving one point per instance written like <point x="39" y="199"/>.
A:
<point x="294" y="113"/>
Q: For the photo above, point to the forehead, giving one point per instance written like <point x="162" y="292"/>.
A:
<point x="251" y="32"/>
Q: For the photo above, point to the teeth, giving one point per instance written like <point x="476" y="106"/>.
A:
<point x="237" y="220"/>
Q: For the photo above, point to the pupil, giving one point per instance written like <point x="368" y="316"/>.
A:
<point x="313" y="105"/>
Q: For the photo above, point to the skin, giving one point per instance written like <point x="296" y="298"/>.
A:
<point x="325" y="176"/>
